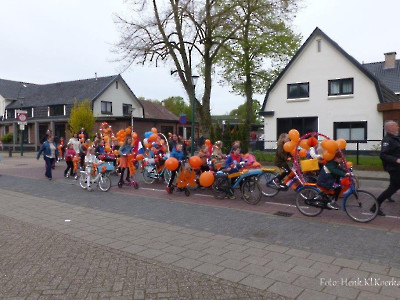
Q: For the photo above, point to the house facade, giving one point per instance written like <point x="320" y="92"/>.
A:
<point x="49" y="106"/>
<point x="324" y="89"/>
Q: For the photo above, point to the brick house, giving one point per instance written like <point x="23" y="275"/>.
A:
<point x="49" y="106"/>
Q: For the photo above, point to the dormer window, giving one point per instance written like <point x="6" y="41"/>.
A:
<point x="56" y="110"/>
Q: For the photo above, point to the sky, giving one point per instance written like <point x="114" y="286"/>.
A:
<point x="47" y="41"/>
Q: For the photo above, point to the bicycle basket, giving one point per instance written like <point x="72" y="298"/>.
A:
<point x="309" y="165"/>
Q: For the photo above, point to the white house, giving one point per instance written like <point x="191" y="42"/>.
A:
<point x="326" y="90"/>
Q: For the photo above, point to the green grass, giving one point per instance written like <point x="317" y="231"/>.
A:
<point x="372" y="163"/>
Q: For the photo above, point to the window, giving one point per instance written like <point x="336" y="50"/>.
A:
<point x="116" y="85"/>
<point x="350" y="131"/>
<point x="106" y="107"/>
<point x="30" y="112"/>
<point x="340" y="87"/>
<point x="10" y="113"/>
<point x="298" y="90"/>
<point x="126" y="109"/>
<point x="319" y="46"/>
<point x="56" y="110"/>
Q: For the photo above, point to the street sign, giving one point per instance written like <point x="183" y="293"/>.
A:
<point x="183" y="119"/>
<point x="22" y="117"/>
<point x="22" y="123"/>
<point x="22" y="126"/>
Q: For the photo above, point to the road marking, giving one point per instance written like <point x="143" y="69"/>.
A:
<point x="157" y="190"/>
<point x="282" y="204"/>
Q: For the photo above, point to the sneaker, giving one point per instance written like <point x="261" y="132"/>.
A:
<point x="231" y="197"/>
<point x="381" y="213"/>
<point x="246" y="197"/>
<point x="333" y="205"/>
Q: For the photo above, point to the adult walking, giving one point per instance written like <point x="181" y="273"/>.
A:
<point x="390" y="156"/>
<point x="50" y="153"/>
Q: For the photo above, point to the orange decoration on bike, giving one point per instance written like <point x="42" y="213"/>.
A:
<point x="304" y="144"/>
<point x="289" y="146"/>
<point x="206" y="179"/>
<point x="349" y="164"/>
<point x="134" y="135"/>
<point x="303" y="153"/>
<point x="330" y="146"/>
<point x="207" y="142"/>
<point x="312" y="141"/>
<point x="294" y="135"/>
<point x="128" y="130"/>
<point x="341" y="143"/>
<point x="328" y="155"/>
<point x="139" y="157"/>
<point x="154" y="130"/>
<point x="172" y="164"/>
<point x="195" y="162"/>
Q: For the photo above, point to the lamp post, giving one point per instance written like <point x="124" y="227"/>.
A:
<point x="194" y="82"/>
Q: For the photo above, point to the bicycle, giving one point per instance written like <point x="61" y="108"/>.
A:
<point x="101" y="179"/>
<point x="312" y="199"/>
<point x="151" y="172"/>
<point x="268" y="178"/>
<point x="246" y="180"/>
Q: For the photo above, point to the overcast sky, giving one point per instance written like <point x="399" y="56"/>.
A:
<point x="46" y="41"/>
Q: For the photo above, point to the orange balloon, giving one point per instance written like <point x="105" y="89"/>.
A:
<point x="108" y="149"/>
<point x="116" y="152"/>
<point x="153" y="137"/>
<point x="208" y="142"/>
<point x="139" y="157"/>
<point x="312" y="141"/>
<point x="195" y="162"/>
<point x="128" y="130"/>
<point x="330" y="146"/>
<point x="349" y="164"/>
<point x="323" y="143"/>
<point x="134" y="135"/>
<point x="341" y="143"/>
<point x="154" y="130"/>
<point x="293" y="153"/>
<point x="304" y="144"/>
<point x="294" y="135"/>
<point x="81" y="135"/>
<point x="206" y="179"/>
<point x="172" y="164"/>
<point x="328" y="155"/>
<point x="289" y="146"/>
<point x="303" y="153"/>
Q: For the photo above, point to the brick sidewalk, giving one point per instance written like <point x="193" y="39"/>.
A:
<point x="267" y="267"/>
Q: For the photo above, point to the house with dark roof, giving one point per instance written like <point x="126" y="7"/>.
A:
<point x="326" y="90"/>
<point x="48" y="106"/>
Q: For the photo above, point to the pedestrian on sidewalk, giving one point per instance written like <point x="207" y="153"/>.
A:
<point x="50" y="152"/>
<point x="390" y="156"/>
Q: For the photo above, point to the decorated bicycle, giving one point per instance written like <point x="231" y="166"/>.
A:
<point x="156" y="151"/>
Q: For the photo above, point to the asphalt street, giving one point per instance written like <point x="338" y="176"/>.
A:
<point x="376" y="243"/>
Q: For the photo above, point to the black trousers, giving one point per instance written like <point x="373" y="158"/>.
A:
<point x="70" y="166"/>
<point x="394" y="185"/>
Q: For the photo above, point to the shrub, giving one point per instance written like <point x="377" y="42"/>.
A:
<point x="7" y="138"/>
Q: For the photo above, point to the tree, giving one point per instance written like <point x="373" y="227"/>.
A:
<point x="81" y="116"/>
<point x="241" y="112"/>
<point x="212" y="134"/>
<point x="179" y="31"/>
<point x="263" y="40"/>
<point x="178" y="106"/>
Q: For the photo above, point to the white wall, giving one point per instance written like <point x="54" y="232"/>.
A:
<point x="317" y="68"/>
<point x="119" y="96"/>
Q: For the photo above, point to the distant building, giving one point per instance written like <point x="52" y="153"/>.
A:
<point x="326" y="90"/>
<point x="49" y="107"/>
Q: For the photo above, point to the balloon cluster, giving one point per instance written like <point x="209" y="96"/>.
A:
<point x="107" y="135"/>
<point x="152" y="139"/>
<point x="330" y="146"/>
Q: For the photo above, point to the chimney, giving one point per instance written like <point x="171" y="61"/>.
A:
<point x="390" y="60"/>
<point x="95" y="75"/>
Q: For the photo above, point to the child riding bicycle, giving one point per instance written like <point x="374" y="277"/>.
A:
<point x="329" y="178"/>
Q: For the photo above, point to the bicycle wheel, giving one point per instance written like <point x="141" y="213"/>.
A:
<point x="83" y="180"/>
<point x="303" y="195"/>
<point x="148" y="174"/>
<point x="104" y="183"/>
<point x="251" y="191"/>
<point x="358" y="205"/>
<point x="268" y="188"/>
<point x="220" y="187"/>
<point x="167" y="175"/>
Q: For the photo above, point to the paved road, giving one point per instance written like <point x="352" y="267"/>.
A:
<point x="276" y="255"/>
